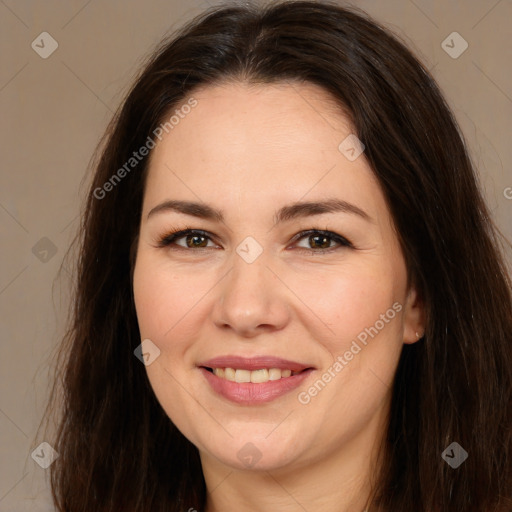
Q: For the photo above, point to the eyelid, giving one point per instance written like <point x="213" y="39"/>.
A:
<point x="343" y="242"/>
<point x="171" y="237"/>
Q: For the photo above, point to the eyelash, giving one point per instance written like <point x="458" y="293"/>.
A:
<point x="169" y="239"/>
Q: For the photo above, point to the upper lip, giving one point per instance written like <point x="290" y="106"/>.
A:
<point x="254" y="363"/>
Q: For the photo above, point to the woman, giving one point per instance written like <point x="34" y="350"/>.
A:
<point x="290" y="293"/>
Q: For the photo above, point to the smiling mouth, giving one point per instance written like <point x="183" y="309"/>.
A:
<point x="259" y="376"/>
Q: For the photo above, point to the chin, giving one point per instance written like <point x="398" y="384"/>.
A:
<point x="256" y="453"/>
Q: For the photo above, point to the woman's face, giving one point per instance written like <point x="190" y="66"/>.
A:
<point x="263" y="164"/>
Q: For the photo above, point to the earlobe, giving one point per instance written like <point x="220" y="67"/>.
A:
<point x="414" y="318"/>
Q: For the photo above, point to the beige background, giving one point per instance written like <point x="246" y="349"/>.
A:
<point x="54" y="110"/>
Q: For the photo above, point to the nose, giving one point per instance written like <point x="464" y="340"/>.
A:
<point x="251" y="300"/>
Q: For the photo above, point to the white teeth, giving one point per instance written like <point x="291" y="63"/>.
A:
<point x="219" y="372"/>
<point x="229" y="374"/>
<point x="259" y="376"/>
<point x="274" y="374"/>
<point x="255" y="376"/>
<point x="242" y="376"/>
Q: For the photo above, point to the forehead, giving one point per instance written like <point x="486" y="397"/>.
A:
<point x="247" y="141"/>
<point x="271" y="115"/>
<point x="238" y="118"/>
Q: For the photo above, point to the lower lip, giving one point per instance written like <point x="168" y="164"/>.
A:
<point x="249" y="393"/>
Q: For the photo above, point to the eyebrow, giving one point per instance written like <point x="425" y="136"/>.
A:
<point x="286" y="213"/>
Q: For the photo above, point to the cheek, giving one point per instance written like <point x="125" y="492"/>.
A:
<point x="360" y="331"/>
<point x="334" y="304"/>
<point x="347" y="300"/>
<point x="166" y="301"/>
<point x="364" y="308"/>
<point x="165" y="298"/>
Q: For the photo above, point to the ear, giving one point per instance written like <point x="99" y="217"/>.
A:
<point x="414" y="317"/>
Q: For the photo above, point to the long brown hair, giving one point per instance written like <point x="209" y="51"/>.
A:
<point x="118" y="449"/>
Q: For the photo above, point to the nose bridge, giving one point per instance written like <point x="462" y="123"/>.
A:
<point x="247" y="282"/>
<point x="249" y="297"/>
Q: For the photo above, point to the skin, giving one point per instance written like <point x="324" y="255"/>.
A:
<point x="249" y="150"/>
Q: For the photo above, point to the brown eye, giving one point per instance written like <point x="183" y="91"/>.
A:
<point x="196" y="241"/>
<point x="191" y="239"/>
<point x="319" y="241"/>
